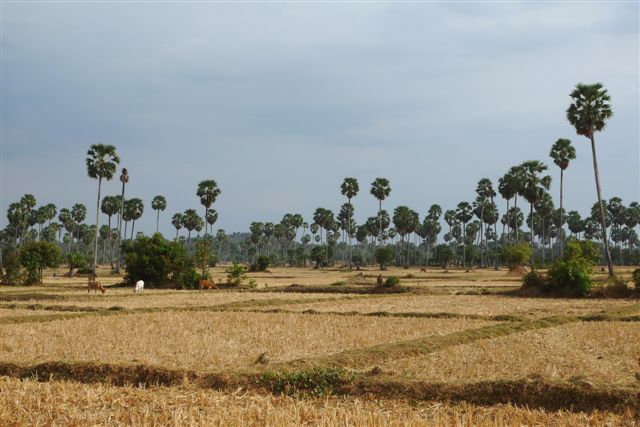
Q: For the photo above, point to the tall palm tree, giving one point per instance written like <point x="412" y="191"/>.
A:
<point x="588" y="113"/>
<point x="380" y="189"/>
<point x="124" y="179"/>
<point x="159" y="203"/>
<point x="562" y="152"/>
<point x="534" y="188"/>
<point x="464" y="213"/>
<point x="177" y="221"/>
<point x="110" y="206"/>
<point x="349" y="189"/>
<point x="101" y="164"/>
<point x="208" y="192"/>
<point x="134" y="208"/>
<point x="211" y="218"/>
<point x="78" y="213"/>
<point x="190" y="220"/>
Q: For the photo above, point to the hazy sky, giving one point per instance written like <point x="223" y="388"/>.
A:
<point x="279" y="102"/>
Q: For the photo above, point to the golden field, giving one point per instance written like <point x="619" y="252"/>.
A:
<point x="452" y="351"/>
<point x="26" y="402"/>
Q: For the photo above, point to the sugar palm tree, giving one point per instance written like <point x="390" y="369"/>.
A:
<point x="349" y="189"/>
<point x="208" y="192"/>
<point x="380" y="189"/>
<point x="78" y="213"/>
<point x="212" y="218"/>
<point x="134" y="209"/>
<point x="101" y="164"/>
<point x="464" y="213"/>
<point x="534" y="187"/>
<point x="124" y="179"/>
<point x="110" y="206"/>
<point x="177" y="221"/>
<point x="562" y="152"/>
<point x="159" y="203"/>
<point x="588" y="113"/>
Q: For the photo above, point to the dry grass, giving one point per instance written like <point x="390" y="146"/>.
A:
<point x="485" y="305"/>
<point x="158" y="299"/>
<point x="6" y="312"/>
<point x="208" y="340"/>
<point x="599" y="352"/>
<point x="63" y="403"/>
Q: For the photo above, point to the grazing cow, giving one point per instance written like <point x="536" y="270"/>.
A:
<point x="139" y="286"/>
<point x="96" y="286"/>
<point x="206" y="284"/>
<point x="423" y="270"/>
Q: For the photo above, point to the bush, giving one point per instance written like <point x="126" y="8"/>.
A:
<point x="13" y="274"/>
<point x="392" y="281"/>
<point x="35" y="257"/>
<point x="261" y="264"/>
<point x="158" y="261"/>
<point x="75" y="260"/>
<point x="236" y="274"/>
<point x="572" y="276"/>
<point x="534" y="279"/>
<point x="616" y="287"/>
<point x="384" y="256"/>
<point x="585" y="250"/>
<point x="635" y="276"/>
<point x="516" y="255"/>
<point x="317" y="381"/>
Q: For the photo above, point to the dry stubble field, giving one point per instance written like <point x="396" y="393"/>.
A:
<point x="442" y="354"/>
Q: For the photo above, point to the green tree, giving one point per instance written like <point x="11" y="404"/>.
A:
<point x="177" y="221"/>
<point x="208" y="192"/>
<point x="534" y="187"/>
<point x="349" y="189"/>
<point x="124" y="179"/>
<point x="78" y="213"/>
<point x="380" y="189"/>
<point x="588" y="113"/>
<point x="159" y="203"/>
<point x="134" y="208"/>
<point x="36" y="256"/>
<point x="101" y="164"/>
<point x="464" y="213"/>
<point x="562" y="152"/>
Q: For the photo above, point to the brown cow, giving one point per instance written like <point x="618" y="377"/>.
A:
<point x="96" y="286"/>
<point x="423" y="270"/>
<point x="206" y="284"/>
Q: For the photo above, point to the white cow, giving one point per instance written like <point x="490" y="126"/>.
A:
<point x="139" y="286"/>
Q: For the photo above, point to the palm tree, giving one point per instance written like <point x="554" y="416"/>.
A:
<point x="78" y="213"/>
<point x="349" y="189"/>
<point x="380" y="189"/>
<point x="159" y="203"/>
<point x="589" y="113"/>
<point x="208" y="192"/>
<point x="134" y="209"/>
<point x="177" y="221"/>
<point x="190" y="220"/>
<point x="464" y="213"/>
<point x="562" y="152"/>
<point x="534" y="188"/>
<point x="124" y="179"/>
<point x="110" y="206"/>
<point x="211" y="218"/>
<point x="101" y="164"/>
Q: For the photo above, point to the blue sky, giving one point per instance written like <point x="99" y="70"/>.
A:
<point x="279" y="102"/>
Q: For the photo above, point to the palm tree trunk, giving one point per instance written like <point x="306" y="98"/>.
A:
<point x="561" y="214"/>
<point x="380" y="220"/>
<point x="349" y="231"/>
<point x="95" y="249"/>
<point x="120" y="214"/>
<point x="157" y="219"/>
<point x="603" y="223"/>
<point x="133" y="226"/>
<point x="110" y="244"/>
<point x="531" y="231"/>
<point x="515" y="205"/>
<point x="464" y="244"/>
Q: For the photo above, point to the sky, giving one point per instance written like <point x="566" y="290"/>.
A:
<point x="278" y="102"/>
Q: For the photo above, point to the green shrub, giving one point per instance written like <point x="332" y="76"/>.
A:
<point x="572" y="276"/>
<point x="35" y="257"/>
<point x="392" y="281"/>
<point x="235" y="274"/>
<point x="584" y="250"/>
<point x="261" y="264"/>
<point x="75" y="260"/>
<point x="635" y="276"/>
<point x="384" y="256"/>
<point x="534" y="279"/>
<point x="318" y="381"/>
<point x="13" y="274"/>
<point x="158" y="261"/>
<point x="516" y="255"/>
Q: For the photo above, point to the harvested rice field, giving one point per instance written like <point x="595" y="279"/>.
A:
<point x="210" y="341"/>
<point x="481" y="305"/>
<point x="435" y="355"/>
<point x="27" y="402"/>
<point x="604" y="353"/>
